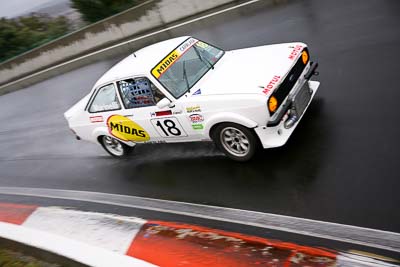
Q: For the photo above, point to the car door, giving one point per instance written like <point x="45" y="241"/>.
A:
<point x="140" y="97"/>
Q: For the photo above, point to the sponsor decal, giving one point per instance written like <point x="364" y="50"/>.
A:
<point x="295" y="52"/>
<point x="125" y="129"/>
<point x="201" y="44"/>
<point x="198" y="92"/>
<point x="186" y="45"/>
<point x="163" y="113"/>
<point x="177" y="112"/>
<point x="94" y="119"/>
<point x="193" y="109"/>
<point x="170" y="59"/>
<point x="164" y="65"/>
<point x="270" y="86"/>
<point x="112" y="106"/>
<point x="197" y="126"/>
<point x="196" y="118"/>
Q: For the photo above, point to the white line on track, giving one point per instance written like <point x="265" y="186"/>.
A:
<point x="345" y="233"/>
<point x="135" y="39"/>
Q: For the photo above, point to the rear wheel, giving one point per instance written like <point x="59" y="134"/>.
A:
<point x="236" y="141"/>
<point x="114" y="147"/>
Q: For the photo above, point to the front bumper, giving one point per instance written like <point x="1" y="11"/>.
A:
<point x="290" y="102"/>
<point x="277" y="134"/>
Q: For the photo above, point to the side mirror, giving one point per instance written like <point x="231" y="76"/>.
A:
<point x="165" y="102"/>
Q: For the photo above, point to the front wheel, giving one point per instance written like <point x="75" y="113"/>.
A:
<point x="236" y="141"/>
<point x="114" y="147"/>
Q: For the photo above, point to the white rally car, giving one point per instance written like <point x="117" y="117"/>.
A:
<point x="185" y="90"/>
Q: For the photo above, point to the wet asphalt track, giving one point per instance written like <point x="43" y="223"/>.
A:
<point x="340" y="165"/>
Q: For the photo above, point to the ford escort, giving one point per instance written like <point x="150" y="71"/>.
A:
<point x="186" y="90"/>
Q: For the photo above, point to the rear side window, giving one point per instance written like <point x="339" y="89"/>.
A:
<point x="106" y="99"/>
<point x="139" y="92"/>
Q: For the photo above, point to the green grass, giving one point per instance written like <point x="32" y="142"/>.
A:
<point x="9" y="258"/>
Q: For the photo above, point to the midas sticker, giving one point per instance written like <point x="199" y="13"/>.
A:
<point x="125" y="129"/>
<point x="163" y="66"/>
<point x="169" y="60"/>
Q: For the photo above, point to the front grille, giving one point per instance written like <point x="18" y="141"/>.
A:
<point x="301" y="100"/>
<point x="290" y="80"/>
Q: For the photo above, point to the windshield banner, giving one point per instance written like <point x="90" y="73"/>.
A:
<point x="169" y="60"/>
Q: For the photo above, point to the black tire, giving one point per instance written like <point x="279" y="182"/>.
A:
<point x="114" y="147"/>
<point x="236" y="141"/>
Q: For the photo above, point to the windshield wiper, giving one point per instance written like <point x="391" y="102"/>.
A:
<point x="185" y="75"/>
<point x="204" y="60"/>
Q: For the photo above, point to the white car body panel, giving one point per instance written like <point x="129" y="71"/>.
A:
<point x="236" y="90"/>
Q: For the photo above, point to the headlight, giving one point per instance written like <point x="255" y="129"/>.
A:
<point x="272" y="104"/>
<point x="304" y="56"/>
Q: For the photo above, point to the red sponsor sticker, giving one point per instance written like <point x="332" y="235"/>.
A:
<point x="295" y="52"/>
<point x="94" y="119"/>
<point x="270" y="86"/>
<point x="196" y="118"/>
<point x="163" y="113"/>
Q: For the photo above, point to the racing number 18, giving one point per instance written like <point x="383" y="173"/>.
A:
<point x="169" y="127"/>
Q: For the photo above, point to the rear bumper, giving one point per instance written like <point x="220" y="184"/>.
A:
<point x="275" y="136"/>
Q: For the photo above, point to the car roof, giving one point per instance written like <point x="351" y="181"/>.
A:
<point x="141" y="61"/>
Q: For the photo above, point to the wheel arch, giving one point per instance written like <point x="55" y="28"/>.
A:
<point x="227" y="117"/>
<point x="101" y="131"/>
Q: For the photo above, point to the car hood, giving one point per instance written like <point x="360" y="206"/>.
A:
<point x="250" y="70"/>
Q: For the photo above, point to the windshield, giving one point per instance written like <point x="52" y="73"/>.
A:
<point x="185" y="66"/>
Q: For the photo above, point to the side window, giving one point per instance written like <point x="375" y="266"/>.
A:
<point x="139" y="92"/>
<point x="106" y="99"/>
